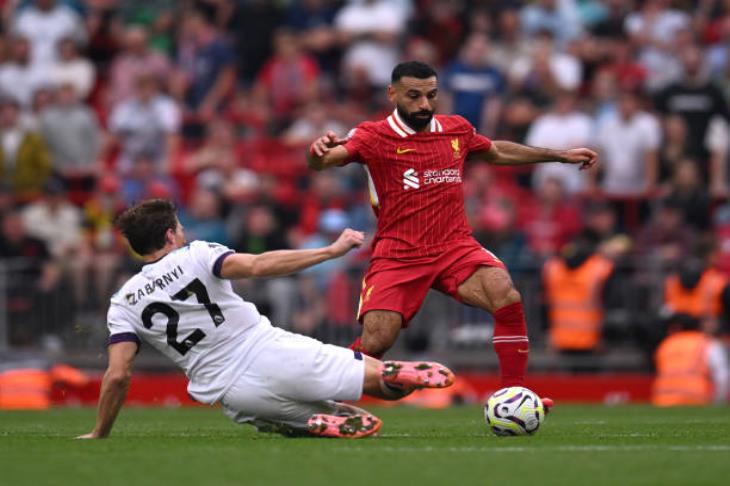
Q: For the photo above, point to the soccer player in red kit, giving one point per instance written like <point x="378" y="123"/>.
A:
<point x="414" y="161"/>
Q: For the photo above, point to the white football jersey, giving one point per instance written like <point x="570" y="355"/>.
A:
<point x="181" y="306"/>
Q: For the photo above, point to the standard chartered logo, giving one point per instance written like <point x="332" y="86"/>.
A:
<point x="430" y="176"/>
<point x="410" y="179"/>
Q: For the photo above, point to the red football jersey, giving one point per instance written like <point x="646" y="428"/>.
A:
<point x="415" y="181"/>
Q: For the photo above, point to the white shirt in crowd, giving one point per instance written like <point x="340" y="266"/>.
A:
<point x="59" y="228"/>
<point x="566" y="70"/>
<point x="21" y="81"/>
<point x="624" y="145"/>
<point x="662" y="64"/>
<point x="142" y="127"/>
<point x="80" y="73"/>
<point x="45" y="28"/>
<point x="376" y="58"/>
<point x="560" y="132"/>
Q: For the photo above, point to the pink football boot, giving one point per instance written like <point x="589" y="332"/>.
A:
<point x="416" y="375"/>
<point x="350" y="427"/>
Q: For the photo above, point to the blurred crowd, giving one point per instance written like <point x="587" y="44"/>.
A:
<point x="212" y="103"/>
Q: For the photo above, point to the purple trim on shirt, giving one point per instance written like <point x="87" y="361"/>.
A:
<point x="219" y="263"/>
<point x="123" y="337"/>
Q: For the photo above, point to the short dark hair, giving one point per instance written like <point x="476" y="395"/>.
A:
<point x="145" y="224"/>
<point x="412" y="69"/>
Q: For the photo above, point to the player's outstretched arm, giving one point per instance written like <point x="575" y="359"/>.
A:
<point x="284" y="262"/>
<point x="509" y="153"/>
<point x="114" y="388"/>
<point x="327" y="151"/>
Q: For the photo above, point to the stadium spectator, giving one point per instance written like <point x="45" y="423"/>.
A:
<point x="474" y="86"/>
<point x="550" y="220"/>
<point x="73" y="69"/>
<point x="441" y="22"/>
<point x="32" y="277"/>
<point x="24" y="159"/>
<point x="55" y="221"/>
<point x="695" y="289"/>
<point x="288" y="80"/>
<point x="559" y="17"/>
<point x="696" y="100"/>
<point x="134" y="61"/>
<point x="72" y="132"/>
<point x="665" y="239"/>
<point x="692" y="367"/>
<point x="207" y="65"/>
<point x="44" y="24"/>
<point x="19" y="78"/>
<point x="574" y="285"/>
<point x="509" y="43"/>
<point x="104" y="29"/>
<point x="100" y="255"/>
<point x="146" y="124"/>
<point x="253" y="24"/>
<point x="544" y="71"/>
<point x="315" y="117"/>
<point x="631" y="167"/>
<point x="202" y="219"/>
<point x="687" y="190"/>
<point x="313" y="21"/>
<point x="674" y="148"/>
<point x="601" y="222"/>
<point x="369" y="32"/>
<point x="326" y="191"/>
<point x="655" y="28"/>
<point x="562" y="127"/>
<point x="145" y="180"/>
<point x="331" y="223"/>
<point x="611" y="26"/>
<point x="628" y="74"/>
<point x="215" y="165"/>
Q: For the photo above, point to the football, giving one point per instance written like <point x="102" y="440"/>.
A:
<point x="514" y="411"/>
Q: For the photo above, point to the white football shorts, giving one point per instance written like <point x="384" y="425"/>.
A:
<point x="292" y="378"/>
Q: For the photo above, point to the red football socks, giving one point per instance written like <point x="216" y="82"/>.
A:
<point x="357" y="346"/>
<point x="511" y="344"/>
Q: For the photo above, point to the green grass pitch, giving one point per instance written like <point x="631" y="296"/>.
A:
<point x="592" y="445"/>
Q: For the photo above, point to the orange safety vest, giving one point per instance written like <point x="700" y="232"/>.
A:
<point x="574" y="298"/>
<point x="29" y="388"/>
<point x="25" y="389"/>
<point x="683" y="376"/>
<point x="704" y="300"/>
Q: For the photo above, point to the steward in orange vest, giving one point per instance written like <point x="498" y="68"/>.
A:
<point x="695" y="290"/>
<point x="691" y="366"/>
<point x="27" y="384"/>
<point x="574" y="293"/>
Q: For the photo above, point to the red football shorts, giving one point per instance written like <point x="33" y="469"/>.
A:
<point x="401" y="285"/>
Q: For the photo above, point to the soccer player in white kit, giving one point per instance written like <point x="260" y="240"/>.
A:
<point x="182" y="303"/>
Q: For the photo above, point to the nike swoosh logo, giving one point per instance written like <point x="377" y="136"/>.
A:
<point x="523" y="351"/>
<point x="401" y="151"/>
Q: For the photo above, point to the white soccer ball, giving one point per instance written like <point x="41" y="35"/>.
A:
<point x="514" y="411"/>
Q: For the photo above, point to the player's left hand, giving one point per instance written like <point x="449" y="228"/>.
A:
<point x="347" y="240"/>
<point x="586" y="157"/>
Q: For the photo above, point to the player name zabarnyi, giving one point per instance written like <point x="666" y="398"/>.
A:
<point x="133" y="297"/>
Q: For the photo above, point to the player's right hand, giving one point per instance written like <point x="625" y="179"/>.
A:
<point x="323" y="144"/>
<point x="347" y="240"/>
